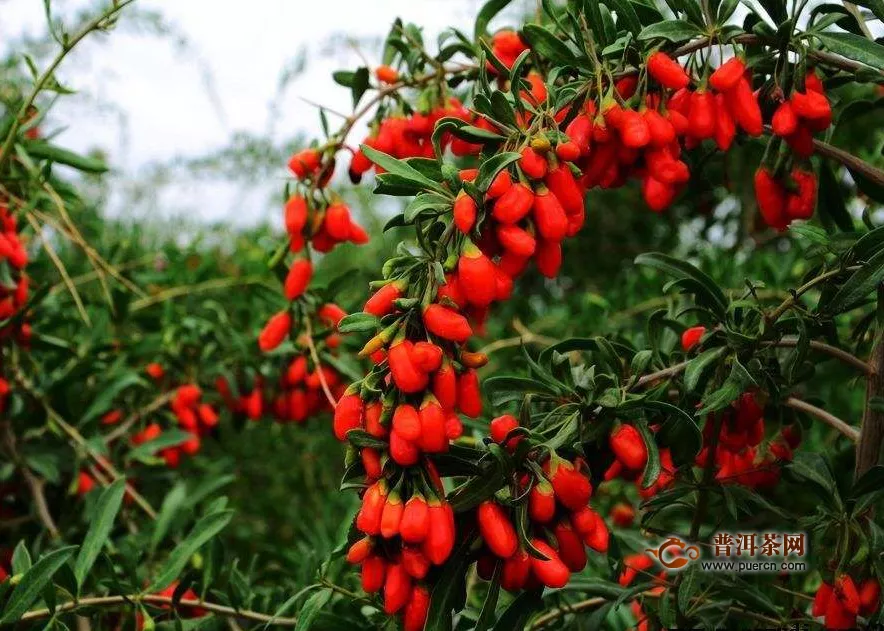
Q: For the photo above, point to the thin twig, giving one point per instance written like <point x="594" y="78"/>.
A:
<point x="186" y="290"/>
<point x="35" y="485"/>
<point x="834" y="351"/>
<point x="317" y="366"/>
<point x="77" y="437"/>
<point x="91" y="25"/>
<point x="829" y="419"/>
<point x="62" y="270"/>
<point x="153" y="599"/>
<point x="133" y="418"/>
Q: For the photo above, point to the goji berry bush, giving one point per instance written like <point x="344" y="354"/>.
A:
<point x="626" y="319"/>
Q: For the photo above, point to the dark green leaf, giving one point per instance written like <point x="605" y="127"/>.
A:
<point x="100" y="526"/>
<point x="862" y="283"/>
<point x="548" y="45"/>
<point x="854" y="47"/>
<point x="672" y="30"/>
<point x="358" y="322"/>
<point x="32" y="583"/>
<point x="312" y="607"/>
<point x="206" y="528"/>
<point x="486" y="14"/>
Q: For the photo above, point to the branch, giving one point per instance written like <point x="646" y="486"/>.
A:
<point x="133" y="418"/>
<point x="834" y="351"/>
<point x="813" y="282"/>
<point x="317" y="364"/>
<point x="77" y="437"/>
<point x="868" y="451"/>
<point x="829" y="419"/>
<point x="93" y="24"/>
<point x="35" y="484"/>
<point x="153" y="599"/>
<point x="662" y="374"/>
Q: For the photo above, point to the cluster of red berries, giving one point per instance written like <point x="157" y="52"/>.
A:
<point x="840" y="602"/>
<point x="14" y="295"/>
<point x="738" y="457"/>
<point x="299" y="394"/>
<point x="406" y="136"/>
<point x="322" y="224"/>
<point x="403" y="540"/>
<point x="630" y="458"/>
<point x="560" y="522"/>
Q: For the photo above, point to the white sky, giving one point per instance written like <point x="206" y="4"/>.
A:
<point x="244" y="46"/>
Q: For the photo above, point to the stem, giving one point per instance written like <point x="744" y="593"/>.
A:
<point x="133" y="418"/>
<point x="75" y="435"/>
<point x="308" y="330"/>
<point x="90" y="26"/>
<point x="153" y="599"/>
<point x="829" y="419"/>
<point x="35" y="484"/>
<point x="788" y="302"/>
<point x="833" y="351"/>
<point x="868" y="451"/>
<point x="662" y="374"/>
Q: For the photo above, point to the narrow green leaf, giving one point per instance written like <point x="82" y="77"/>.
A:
<point x="854" y="47"/>
<point x="486" y="14"/>
<point x="859" y="286"/>
<point x="206" y="528"/>
<point x="32" y="583"/>
<point x="672" y="30"/>
<point x="106" y="510"/>
<point x="548" y="45"/>
<point x="312" y="607"/>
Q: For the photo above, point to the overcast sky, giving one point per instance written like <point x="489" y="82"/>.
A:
<point x="243" y="47"/>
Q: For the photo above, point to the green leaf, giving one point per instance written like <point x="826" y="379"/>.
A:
<point x="520" y="609"/>
<point x="872" y="481"/>
<point x="206" y="528"/>
<point x="489" y="169"/>
<point x="680" y="431"/>
<point x="425" y="203"/>
<point x="486" y="14"/>
<point x="698" y="365"/>
<point x="626" y="15"/>
<point x="652" y="466"/>
<point x="548" y="45"/>
<point x="171" y="503"/>
<point x="169" y="438"/>
<point x="105" y="400"/>
<point x="486" y="615"/>
<point x="32" y="583"/>
<point x="449" y="588"/>
<point x="360" y="84"/>
<point x="477" y="489"/>
<point x="102" y="522"/>
<point x="705" y="286"/>
<point x="868" y="245"/>
<point x="813" y="468"/>
<point x="21" y="558"/>
<point x="857" y="288"/>
<point x="672" y="30"/>
<point x="44" y="151"/>
<point x="875" y="6"/>
<point x="312" y="607"/>
<point x="400" y="168"/>
<point x="854" y="47"/>
<point x="358" y="323"/>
